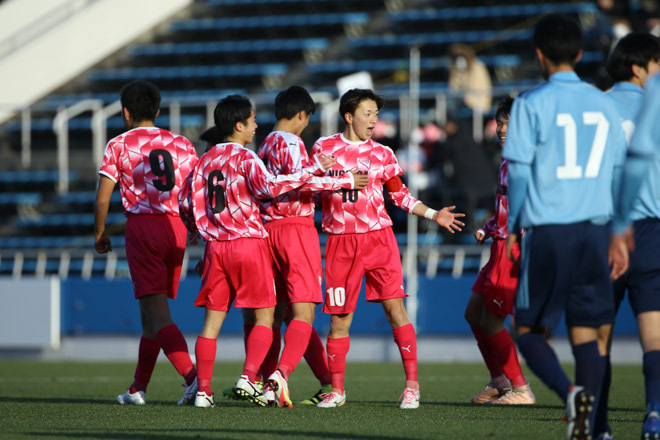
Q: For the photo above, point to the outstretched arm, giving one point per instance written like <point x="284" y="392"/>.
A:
<point x="445" y="217"/>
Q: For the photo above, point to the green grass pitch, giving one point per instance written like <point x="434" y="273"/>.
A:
<point x="58" y="400"/>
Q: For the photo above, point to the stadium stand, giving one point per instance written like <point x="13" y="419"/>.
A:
<point x="257" y="47"/>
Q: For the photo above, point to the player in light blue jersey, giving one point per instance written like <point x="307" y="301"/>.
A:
<point x="565" y="146"/>
<point x="635" y="58"/>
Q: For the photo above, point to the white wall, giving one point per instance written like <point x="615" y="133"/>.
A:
<point x="30" y="313"/>
<point x="94" y="30"/>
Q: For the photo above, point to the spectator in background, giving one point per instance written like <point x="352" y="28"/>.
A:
<point x="469" y="75"/>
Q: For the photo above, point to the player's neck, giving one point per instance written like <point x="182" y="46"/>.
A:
<point x="135" y="124"/>
<point x="237" y="139"/>
<point x="350" y="135"/>
<point x="289" y="126"/>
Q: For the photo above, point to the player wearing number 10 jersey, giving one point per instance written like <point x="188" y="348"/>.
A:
<point x="565" y="147"/>
<point x="361" y="241"/>
<point x="220" y="200"/>
<point x="150" y="164"/>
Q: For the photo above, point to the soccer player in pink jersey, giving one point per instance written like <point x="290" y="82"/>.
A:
<point x="150" y="164"/>
<point x="493" y="296"/>
<point x="295" y="249"/>
<point x="220" y="201"/>
<point x="361" y="241"/>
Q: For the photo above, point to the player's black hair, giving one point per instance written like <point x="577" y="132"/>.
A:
<point x="559" y="38"/>
<point x="635" y="49"/>
<point x="350" y="100"/>
<point x="211" y="136"/>
<point x="292" y="101"/>
<point x="142" y="99"/>
<point x="504" y="106"/>
<point x="229" y="111"/>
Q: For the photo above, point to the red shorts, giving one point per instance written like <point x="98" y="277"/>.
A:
<point x="296" y="254"/>
<point x="237" y="270"/>
<point x="498" y="279"/>
<point x="349" y="257"/>
<point x="155" y="245"/>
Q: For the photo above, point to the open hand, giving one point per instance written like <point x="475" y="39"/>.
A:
<point x="448" y="219"/>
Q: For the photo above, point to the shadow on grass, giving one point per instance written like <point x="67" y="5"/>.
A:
<point x="171" y="434"/>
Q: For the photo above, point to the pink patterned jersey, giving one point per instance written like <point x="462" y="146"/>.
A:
<point x="284" y="153"/>
<point x="150" y="165"/>
<point x="353" y="211"/>
<point x="496" y="227"/>
<point x="220" y="196"/>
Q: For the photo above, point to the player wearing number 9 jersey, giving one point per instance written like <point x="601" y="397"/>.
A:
<point x="361" y="241"/>
<point x="220" y="200"/>
<point x="565" y="147"/>
<point x="149" y="163"/>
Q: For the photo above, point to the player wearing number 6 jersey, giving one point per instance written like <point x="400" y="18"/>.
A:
<point x="220" y="200"/>
<point x="150" y="164"/>
<point x="565" y="147"/>
<point x="361" y="241"/>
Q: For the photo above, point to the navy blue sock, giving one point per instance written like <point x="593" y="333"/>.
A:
<point x="542" y="360"/>
<point x="589" y="370"/>
<point x="651" y="366"/>
<point x="601" y="424"/>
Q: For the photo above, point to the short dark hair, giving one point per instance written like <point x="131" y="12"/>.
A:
<point x="142" y="99"/>
<point x="559" y="38"/>
<point x="292" y="101"/>
<point x="504" y="106"/>
<point x="229" y="111"/>
<point x="350" y="100"/>
<point x="635" y="49"/>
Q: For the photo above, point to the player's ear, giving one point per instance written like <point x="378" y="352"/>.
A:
<point x="579" y="56"/>
<point x="157" y="113"/>
<point x="127" y="114"/>
<point x="539" y="55"/>
<point x="348" y="117"/>
<point x="636" y="71"/>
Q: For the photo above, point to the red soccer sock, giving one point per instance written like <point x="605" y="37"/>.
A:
<point x="296" y="340"/>
<point x="269" y="365"/>
<point x="258" y="344"/>
<point x="175" y="348"/>
<point x="147" y="357"/>
<point x="406" y="339"/>
<point x="317" y="359"/>
<point x="490" y="358"/>
<point x="247" y="328"/>
<point x="205" y="350"/>
<point x="337" y="349"/>
<point x="505" y="350"/>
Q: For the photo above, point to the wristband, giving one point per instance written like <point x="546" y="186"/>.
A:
<point x="430" y="213"/>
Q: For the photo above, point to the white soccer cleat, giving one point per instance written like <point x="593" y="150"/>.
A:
<point x="203" y="400"/>
<point x="189" y="393"/>
<point x="250" y="391"/>
<point x="276" y="391"/>
<point x="409" y="399"/>
<point x="332" y="400"/>
<point x="128" y="398"/>
<point x="517" y="396"/>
